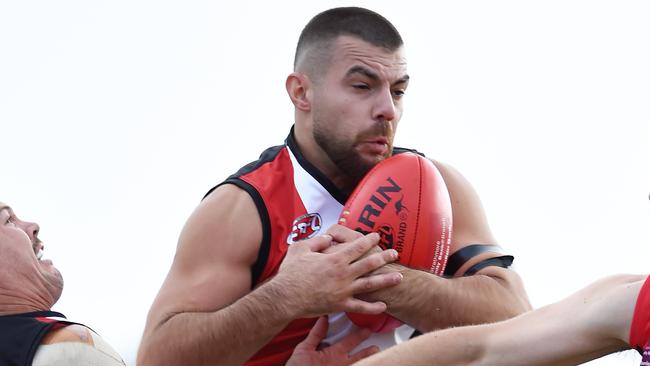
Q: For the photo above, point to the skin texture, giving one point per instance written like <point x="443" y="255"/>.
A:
<point x="71" y="333"/>
<point x="346" y="119"/>
<point x="29" y="284"/>
<point x="308" y="352"/>
<point x="429" y="302"/>
<point x="26" y="284"/>
<point x="193" y="310"/>
<point x="346" y="116"/>
<point x="589" y="324"/>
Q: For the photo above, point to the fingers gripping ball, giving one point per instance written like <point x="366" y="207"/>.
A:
<point x="405" y="200"/>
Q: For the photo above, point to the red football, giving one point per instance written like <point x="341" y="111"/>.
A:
<point x="405" y="200"/>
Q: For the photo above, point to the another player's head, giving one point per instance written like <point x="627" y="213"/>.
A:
<point x="27" y="282"/>
<point x="347" y="86"/>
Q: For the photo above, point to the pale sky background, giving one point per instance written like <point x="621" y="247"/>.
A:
<point x="117" y="116"/>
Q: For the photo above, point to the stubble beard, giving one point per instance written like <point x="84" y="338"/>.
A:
<point x="341" y="150"/>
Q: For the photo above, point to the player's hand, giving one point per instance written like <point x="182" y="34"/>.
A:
<point x="308" y="353"/>
<point x="315" y="283"/>
<point x="388" y="297"/>
<point x="341" y="234"/>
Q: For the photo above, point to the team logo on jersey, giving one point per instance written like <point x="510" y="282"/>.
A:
<point x="304" y="227"/>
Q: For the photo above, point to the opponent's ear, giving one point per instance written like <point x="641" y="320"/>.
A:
<point x="298" y="87"/>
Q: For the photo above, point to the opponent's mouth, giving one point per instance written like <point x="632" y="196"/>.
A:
<point x="38" y="251"/>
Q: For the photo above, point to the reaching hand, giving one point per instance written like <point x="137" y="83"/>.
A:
<point x="307" y="352"/>
<point x="315" y="283"/>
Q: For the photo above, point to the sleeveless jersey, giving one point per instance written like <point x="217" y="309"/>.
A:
<point x="21" y="335"/>
<point x="295" y="201"/>
<point x="640" y="329"/>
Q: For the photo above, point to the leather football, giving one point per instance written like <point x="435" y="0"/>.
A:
<point x="405" y="200"/>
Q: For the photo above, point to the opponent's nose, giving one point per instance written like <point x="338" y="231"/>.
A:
<point x="31" y="229"/>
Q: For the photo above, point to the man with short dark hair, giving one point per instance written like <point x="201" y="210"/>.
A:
<point x="30" y="333"/>
<point x="251" y="274"/>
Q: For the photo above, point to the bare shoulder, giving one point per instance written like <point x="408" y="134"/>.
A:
<point x="70" y="333"/>
<point x="227" y="214"/>
<point x="215" y="252"/>
<point x="75" y="344"/>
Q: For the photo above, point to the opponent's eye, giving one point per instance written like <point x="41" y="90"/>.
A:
<point x="361" y="86"/>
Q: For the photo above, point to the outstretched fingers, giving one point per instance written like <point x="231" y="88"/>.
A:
<point x="355" y="305"/>
<point x="342" y="234"/>
<point x="318" y="243"/>
<point x="317" y="333"/>
<point x="376" y="282"/>
<point x="352" y="340"/>
<point x="373" y="261"/>
<point x="357" y="248"/>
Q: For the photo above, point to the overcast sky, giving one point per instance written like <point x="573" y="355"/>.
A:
<point x="117" y="116"/>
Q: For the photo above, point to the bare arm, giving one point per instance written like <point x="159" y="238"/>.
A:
<point x="205" y="312"/>
<point x="429" y="302"/>
<point x="589" y="324"/>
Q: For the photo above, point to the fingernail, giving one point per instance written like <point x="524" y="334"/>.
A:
<point x="399" y="277"/>
<point x="394" y="254"/>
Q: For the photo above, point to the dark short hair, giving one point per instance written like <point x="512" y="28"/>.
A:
<point x="352" y="21"/>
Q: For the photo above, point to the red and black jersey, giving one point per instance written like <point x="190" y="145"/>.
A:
<point x="21" y="334"/>
<point x="295" y="201"/>
<point x="640" y="328"/>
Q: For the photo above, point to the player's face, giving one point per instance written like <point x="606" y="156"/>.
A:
<point x="23" y="268"/>
<point x="358" y="104"/>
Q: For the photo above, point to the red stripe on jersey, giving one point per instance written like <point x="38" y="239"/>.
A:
<point x="640" y="328"/>
<point x="58" y="323"/>
<point x="44" y="319"/>
<point x="275" y="183"/>
<point x="271" y="181"/>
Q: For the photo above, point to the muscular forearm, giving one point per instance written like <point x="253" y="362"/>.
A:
<point x="543" y="337"/>
<point x="451" y="347"/>
<point x="587" y="325"/>
<point x="429" y="302"/>
<point x="229" y="336"/>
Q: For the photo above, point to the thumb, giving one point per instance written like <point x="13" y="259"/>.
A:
<point x="317" y="333"/>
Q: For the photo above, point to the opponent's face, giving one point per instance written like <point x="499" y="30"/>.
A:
<point x="357" y="105"/>
<point x="25" y="275"/>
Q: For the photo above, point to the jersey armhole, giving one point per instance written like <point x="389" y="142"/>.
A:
<point x="265" y="245"/>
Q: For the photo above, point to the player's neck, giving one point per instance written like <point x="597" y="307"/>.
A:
<point x="319" y="159"/>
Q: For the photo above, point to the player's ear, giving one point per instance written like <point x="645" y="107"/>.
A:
<point x="298" y="87"/>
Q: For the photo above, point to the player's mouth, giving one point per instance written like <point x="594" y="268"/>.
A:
<point x="376" y="145"/>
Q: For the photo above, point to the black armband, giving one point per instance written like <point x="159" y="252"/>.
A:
<point x="460" y="257"/>
<point x="503" y="261"/>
